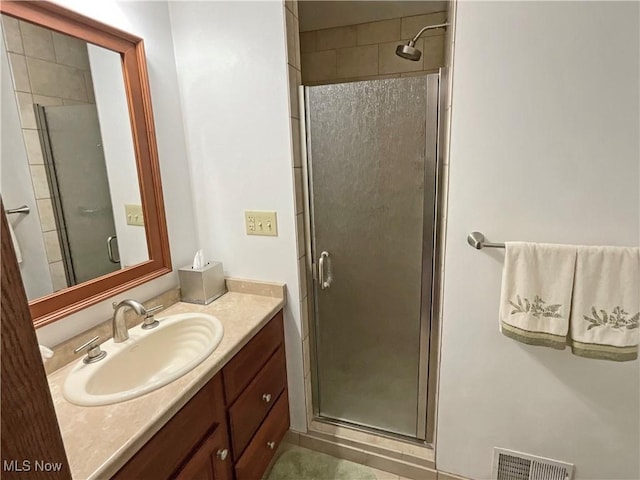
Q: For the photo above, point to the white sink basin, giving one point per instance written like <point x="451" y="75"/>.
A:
<point x="148" y="360"/>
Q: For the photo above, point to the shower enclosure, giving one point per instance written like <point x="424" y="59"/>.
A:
<point x="371" y="153"/>
<point x="77" y="176"/>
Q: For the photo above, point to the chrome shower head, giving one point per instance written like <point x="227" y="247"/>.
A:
<point x="409" y="52"/>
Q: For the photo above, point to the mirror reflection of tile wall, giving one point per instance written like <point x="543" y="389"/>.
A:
<point x="48" y="69"/>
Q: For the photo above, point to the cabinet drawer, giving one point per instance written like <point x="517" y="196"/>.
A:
<point x="172" y="444"/>
<point x="247" y="363"/>
<point x="260" y="451"/>
<point x="248" y="411"/>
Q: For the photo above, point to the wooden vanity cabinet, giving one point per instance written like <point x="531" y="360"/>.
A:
<point x="182" y="437"/>
<point x="232" y="427"/>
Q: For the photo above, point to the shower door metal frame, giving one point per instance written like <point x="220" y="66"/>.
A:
<point x="430" y="217"/>
<point x="431" y="281"/>
<point x="52" y="180"/>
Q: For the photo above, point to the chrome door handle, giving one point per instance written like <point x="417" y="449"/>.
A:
<point x="110" y="249"/>
<point x="325" y="278"/>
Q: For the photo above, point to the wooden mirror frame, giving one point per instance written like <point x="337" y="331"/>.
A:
<point x="59" y="304"/>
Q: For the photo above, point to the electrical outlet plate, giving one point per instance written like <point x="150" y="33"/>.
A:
<point x="261" y="223"/>
<point x="134" y="215"/>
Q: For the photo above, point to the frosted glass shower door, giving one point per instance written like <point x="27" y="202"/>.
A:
<point x="372" y="190"/>
<point x="81" y="187"/>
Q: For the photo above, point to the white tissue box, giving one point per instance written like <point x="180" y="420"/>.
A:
<point x="202" y="285"/>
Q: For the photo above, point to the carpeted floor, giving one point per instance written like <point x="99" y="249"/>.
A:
<point x="305" y="464"/>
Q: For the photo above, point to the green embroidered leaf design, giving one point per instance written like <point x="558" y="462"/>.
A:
<point x="617" y="319"/>
<point x="554" y="308"/>
<point x="515" y="306"/>
<point x="605" y="317"/>
<point x="537" y="307"/>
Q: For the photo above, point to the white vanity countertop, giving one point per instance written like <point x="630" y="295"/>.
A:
<point x="100" y="440"/>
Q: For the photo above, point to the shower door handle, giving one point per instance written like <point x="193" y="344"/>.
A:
<point x="110" y="249"/>
<point x="325" y="277"/>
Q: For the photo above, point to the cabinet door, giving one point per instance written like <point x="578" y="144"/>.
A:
<point x="180" y="437"/>
<point x="210" y="461"/>
<point x="198" y="469"/>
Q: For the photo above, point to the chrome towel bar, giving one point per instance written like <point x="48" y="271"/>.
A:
<point x="477" y="241"/>
<point x="22" y="209"/>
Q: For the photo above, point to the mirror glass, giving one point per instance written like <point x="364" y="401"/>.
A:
<point x="68" y="155"/>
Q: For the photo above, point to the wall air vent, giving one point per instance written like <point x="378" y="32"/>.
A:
<point x="510" y="465"/>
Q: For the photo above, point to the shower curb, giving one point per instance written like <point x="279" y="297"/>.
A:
<point x="374" y="456"/>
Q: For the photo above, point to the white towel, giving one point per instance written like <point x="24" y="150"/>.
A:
<point x="606" y="303"/>
<point x="537" y="282"/>
<point x="45" y="352"/>
<point x="16" y="245"/>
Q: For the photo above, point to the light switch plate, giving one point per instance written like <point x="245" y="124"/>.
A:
<point x="261" y="223"/>
<point x="134" y="215"/>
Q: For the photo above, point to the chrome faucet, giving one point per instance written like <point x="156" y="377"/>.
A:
<point x="118" y="324"/>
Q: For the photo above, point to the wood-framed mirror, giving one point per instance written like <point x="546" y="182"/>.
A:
<point x="90" y="236"/>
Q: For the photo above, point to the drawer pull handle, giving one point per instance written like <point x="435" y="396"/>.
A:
<point x="222" y="454"/>
<point x="266" y="397"/>
<point x="271" y="445"/>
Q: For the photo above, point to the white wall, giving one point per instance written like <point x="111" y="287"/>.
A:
<point x="16" y="190"/>
<point x="233" y="85"/>
<point x="544" y="147"/>
<point x="120" y="158"/>
<point x="149" y="20"/>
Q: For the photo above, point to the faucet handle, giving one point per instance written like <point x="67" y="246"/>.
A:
<point x="152" y="310"/>
<point x="94" y="353"/>
<point x="149" y="321"/>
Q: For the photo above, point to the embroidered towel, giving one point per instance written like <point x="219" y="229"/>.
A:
<point x="537" y="282"/>
<point x="606" y="303"/>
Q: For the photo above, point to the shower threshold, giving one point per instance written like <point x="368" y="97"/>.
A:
<point x="370" y="447"/>
<point x="359" y="433"/>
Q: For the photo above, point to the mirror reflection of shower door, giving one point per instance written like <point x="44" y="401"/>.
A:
<point x="80" y="189"/>
<point x="372" y="170"/>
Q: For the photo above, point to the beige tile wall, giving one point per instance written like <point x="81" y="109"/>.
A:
<point x="367" y="51"/>
<point x="295" y="80"/>
<point x="48" y="68"/>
